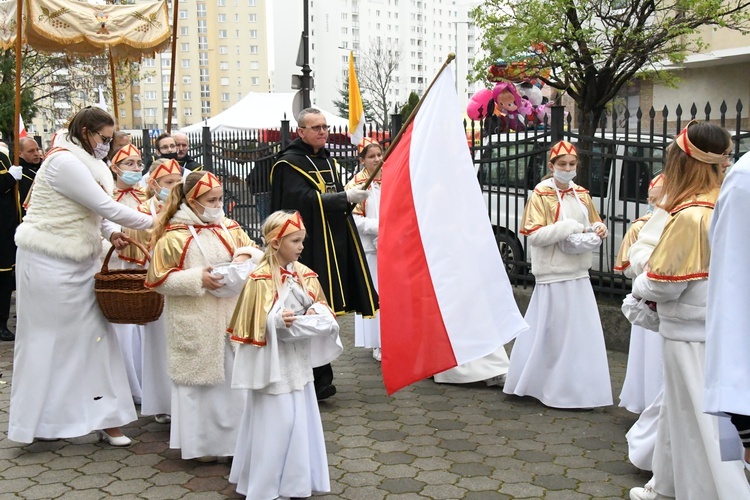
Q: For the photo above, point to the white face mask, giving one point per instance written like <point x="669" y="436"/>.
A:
<point x="101" y="151"/>
<point x="210" y="214"/>
<point x="564" y="177"/>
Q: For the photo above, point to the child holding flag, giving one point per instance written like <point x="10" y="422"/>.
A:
<point x="561" y="360"/>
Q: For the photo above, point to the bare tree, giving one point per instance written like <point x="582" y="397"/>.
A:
<point x="377" y="73"/>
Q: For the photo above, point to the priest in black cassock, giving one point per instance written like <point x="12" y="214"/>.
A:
<point x="305" y="178"/>
<point x="10" y="207"/>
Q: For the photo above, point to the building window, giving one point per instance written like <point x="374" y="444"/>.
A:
<point x="225" y="81"/>
<point x="150" y="112"/>
<point x="203" y="58"/>
<point x="225" y="96"/>
<point x="255" y="81"/>
<point x="253" y="18"/>
<point x="185" y="47"/>
<point x="251" y="3"/>
<point x="222" y="18"/>
<point x="149" y="63"/>
<point x="186" y="63"/>
<point x="136" y="113"/>
<point x="187" y="112"/>
<point x="166" y="62"/>
<point x="184" y="31"/>
<point x="223" y="49"/>
<point x="202" y="27"/>
<point x="223" y="66"/>
<point x="221" y="3"/>
<point x="253" y="49"/>
<point x="186" y="96"/>
<point x="254" y="65"/>
<point x="236" y="18"/>
<point x="205" y="92"/>
<point x="222" y="33"/>
<point x="253" y="33"/>
<point x="204" y="75"/>
<point x="205" y="107"/>
<point x="122" y="113"/>
<point x="183" y="14"/>
<point x="201" y="9"/>
<point x="186" y="80"/>
<point x="150" y="95"/>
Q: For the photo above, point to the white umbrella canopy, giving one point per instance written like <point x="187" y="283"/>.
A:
<point x="259" y="111"/>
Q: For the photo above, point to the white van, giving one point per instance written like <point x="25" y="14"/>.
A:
<point x="510" y="165"/>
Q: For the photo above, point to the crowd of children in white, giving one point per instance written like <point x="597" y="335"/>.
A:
<point x="233" y="353"/>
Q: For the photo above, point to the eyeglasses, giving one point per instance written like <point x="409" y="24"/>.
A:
<point x="131" y="164"/>
<point x="318" y="128"/>
<point x="105" y="139"/>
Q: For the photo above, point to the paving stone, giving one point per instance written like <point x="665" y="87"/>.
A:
<point x="393" y="458"/>
<point x="81" y="494"/>
<point x="91" y="480"/>
<point x="139" y="472"/>
<point x="130" y="487"/>
<point x="485" y="495"/>
<point x="167" y="492"/>
<point x="16" y="485"/>
<point x="170" y="478"/>
<point x="23" y="471"/>
<point x="402" y="485"/>
<point x="443" y="491"/>
<point x="45" y="491"/>
<point x="469" y="470"/>
<point x="56" y="476"/>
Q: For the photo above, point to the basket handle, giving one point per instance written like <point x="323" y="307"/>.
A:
<point x="105" y="264"/>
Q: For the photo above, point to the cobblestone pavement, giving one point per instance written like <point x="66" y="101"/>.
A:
<point x="426" y="441"/>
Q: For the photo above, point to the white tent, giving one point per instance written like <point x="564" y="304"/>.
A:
<point x="258" y="111"/>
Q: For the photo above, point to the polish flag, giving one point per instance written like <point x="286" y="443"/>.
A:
<point x="21" y="128"/>
<point x="445" y="298"/>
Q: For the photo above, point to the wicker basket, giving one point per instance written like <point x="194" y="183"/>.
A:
<point x="122" y="295"/>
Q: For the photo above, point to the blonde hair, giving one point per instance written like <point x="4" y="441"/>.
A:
<point x="172" y="205"/>
<point x="272" y="222"/>
<point x="154" y="165"/>
<point x="685" y="177"/>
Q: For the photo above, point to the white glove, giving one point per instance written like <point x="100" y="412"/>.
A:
<point x="357" y="195"/>
<point x="16" y="172"/>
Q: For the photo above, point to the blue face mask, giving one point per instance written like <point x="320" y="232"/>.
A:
<point x="130" y="178"/>
<point x="164" y="194"/>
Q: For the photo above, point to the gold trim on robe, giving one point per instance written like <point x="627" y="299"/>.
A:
<point x="131" y="253"/>
<point x="171" y="249"/>
<point x="543" y="208"/>
<point x="683" y="251"/>
<point x="631" y="236"/>
<point x="248" y="324"/>
<point x="358" y="180"/>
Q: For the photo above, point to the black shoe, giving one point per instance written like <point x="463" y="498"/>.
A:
<point x="6" y="334"/>
<point x="325" y="392"/>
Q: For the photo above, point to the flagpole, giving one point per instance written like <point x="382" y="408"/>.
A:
<point x="114" y="88"/>
<point x="173" y="69"/>
<point x="396" y="139"/>
<point x="17" y="103"/>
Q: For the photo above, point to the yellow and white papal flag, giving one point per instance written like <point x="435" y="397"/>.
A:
<point x="356" y="109"/>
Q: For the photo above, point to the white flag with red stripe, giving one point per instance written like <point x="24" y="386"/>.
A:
<point x="445" y="298"/>
<point x="21" y="127"/>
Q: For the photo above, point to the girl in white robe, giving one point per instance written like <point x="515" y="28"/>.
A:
<point x="367" y="216"/>
<point x="561" y="360"/>
<point x="687" y="462"/>
<point x="191" y="237"/>
<point x="284" y="327"/>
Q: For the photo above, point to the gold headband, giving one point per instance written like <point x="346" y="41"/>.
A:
<point x="291" y="223"/>
<point x="366" y="141"/>
<point x="562" y="148"/>
<point x="683" y="142"/>
<point x="168" y="167"/>
<point x="125" y="152"/>
<point x="203" y="186"/>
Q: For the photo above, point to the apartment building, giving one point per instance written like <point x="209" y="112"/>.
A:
<point x="420" y="33"/>
<point x="221" y="55"/>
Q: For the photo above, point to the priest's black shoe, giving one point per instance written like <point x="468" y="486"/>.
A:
<point x="326" y="392"/>
<point x="6" y="334"/>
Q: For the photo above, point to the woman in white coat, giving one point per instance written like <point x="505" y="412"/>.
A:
<point x="68" y="374"/>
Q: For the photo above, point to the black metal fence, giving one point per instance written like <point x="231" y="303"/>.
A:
<point x="622" y="154"/>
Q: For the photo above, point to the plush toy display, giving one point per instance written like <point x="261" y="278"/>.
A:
<point x="510" y="111"/>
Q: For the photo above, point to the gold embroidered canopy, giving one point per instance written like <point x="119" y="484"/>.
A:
<point x="85" y="29"/>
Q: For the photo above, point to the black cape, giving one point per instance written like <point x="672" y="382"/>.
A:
<point x="332" y="248"/>
<point x="11" y="209"/>
<point x="24" y="185"/>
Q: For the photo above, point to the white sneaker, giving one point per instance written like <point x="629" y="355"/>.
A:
<point x="376" y="353"/>
<point x="643" y="494"/>
<point x="162" y="418"/>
